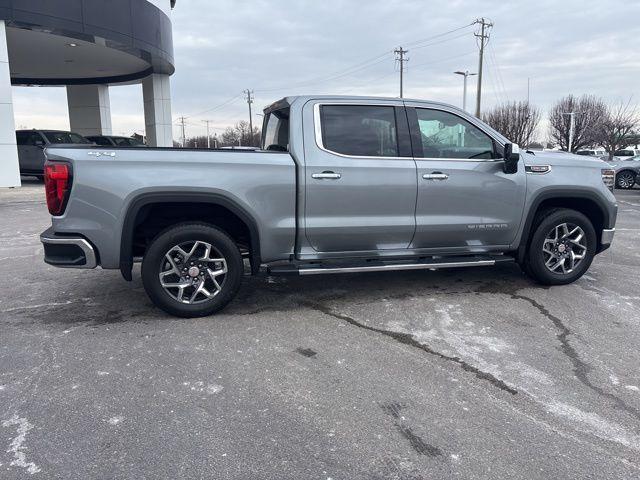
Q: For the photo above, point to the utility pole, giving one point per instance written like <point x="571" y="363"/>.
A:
<point x="483" y="35"/>
<point x="528" y="81"/>
<point x="400" y="57"/>
<point x="208" y="138"/>
<point x="249" y="102"/>
<point x="464" y="89"/>
<point x="182" y="123"/>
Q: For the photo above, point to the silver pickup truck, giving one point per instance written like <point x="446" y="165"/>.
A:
<point x="341" y="184"/>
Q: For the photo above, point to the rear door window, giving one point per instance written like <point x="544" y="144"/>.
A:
<point x="276" y="131"/>
<point x="359" y="130"/>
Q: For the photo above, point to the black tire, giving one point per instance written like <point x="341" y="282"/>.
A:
<point x="536" y="258"/>
<point x="155" y="262"/>
<point x="625" y="179"/>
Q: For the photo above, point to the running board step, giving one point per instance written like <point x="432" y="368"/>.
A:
<point x="377" y="265"/>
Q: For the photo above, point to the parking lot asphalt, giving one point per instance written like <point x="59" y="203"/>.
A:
<point x="466" y="373"/>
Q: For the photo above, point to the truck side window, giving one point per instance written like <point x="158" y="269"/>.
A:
<point x="445" y="135"/>
<point x="359" y="130"/>
<point x="276" y="131"/>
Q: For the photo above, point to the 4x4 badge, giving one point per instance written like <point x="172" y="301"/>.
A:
<point x="101" y="154"/>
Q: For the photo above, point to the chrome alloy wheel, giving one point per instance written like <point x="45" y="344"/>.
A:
<point x="625" y="180"/>
<point x="193" y="272"/>
<point x="564" y="247"/>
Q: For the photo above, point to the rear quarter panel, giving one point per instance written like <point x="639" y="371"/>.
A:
<point x="261" y="183"/>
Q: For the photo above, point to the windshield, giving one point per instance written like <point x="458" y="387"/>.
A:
<point x="65" y="137"/>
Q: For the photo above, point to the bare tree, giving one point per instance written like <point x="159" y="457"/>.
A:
<point x="588" y="113"/>
<point x="617" y="129"/>
<point x="196" y="142"/>
<point x="239" y="134"/>
<point x="515" y="120"/>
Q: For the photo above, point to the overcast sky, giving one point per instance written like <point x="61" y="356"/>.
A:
<point x="279" y="47"/>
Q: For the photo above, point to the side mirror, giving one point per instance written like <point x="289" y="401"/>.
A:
<point x="511" y="157"/>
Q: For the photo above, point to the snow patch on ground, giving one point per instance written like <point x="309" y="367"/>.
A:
<point x="199" y="386"/>
<point x="115" y="420"/>
<point x="17" y="447"/>
<point x="596" y="425"/>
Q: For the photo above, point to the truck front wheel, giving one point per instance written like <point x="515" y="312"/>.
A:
<point x="192" y="270"/>
<point x="562" y="247"/>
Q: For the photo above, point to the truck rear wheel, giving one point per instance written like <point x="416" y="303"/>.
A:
<point x="192" y="270"/>
<point x="562" y="247"/>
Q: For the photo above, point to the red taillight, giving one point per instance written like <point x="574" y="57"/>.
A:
<point x="57" y="185"/>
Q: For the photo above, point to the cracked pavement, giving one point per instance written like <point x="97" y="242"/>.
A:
<point x="470" y="373"/>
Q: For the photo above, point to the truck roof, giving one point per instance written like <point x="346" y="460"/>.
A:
<point x="304" y="98"/>
<point x="289" y="101"/>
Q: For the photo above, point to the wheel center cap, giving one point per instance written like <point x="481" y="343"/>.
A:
<point x="194" y="272"/>
<point x="561" y="248"/>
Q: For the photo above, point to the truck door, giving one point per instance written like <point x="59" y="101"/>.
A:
<point x="360" y="177"/>
<point x="465" y="201"/>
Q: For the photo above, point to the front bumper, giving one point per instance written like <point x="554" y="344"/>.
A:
<point x="67" y="251"/>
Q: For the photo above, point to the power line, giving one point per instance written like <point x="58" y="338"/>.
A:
<point x="413" y="68"/>
<point x="417" y="42"/>
<point x="400" y="52"/>
<point x="441" y="41"/>
<point x="442" y="60"/>
<point x="499" y="79"/>
<point x="368" y="63"/>
<point x="344" y="73"/>
<point x="217" y="107"/>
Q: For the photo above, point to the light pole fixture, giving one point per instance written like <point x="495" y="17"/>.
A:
<point x="465" y="74"/>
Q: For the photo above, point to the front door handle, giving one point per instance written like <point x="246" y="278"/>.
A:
<point x="326" y="175"/>
<point x="435" y="176"/>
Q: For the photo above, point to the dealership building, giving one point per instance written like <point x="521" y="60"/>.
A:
<point x="89" y="46"/>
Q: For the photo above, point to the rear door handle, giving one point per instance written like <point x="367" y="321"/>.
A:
<point x="326" y="175"/>
<point x="435" y="176"/>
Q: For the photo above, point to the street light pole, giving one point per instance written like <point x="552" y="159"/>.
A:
<point x="572" y="127"/>
<point x="465" y="74"/>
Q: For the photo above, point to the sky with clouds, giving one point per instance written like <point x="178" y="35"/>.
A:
<point x="279" y="48"/>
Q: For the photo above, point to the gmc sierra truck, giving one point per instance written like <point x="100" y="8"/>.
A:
<point x="341" y="184"/>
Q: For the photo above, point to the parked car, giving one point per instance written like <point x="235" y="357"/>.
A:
<point x="115" y="141"/>
<point x="626" y="153"/>
<point x="597" y="152"/>
<point x="31" y="145"/>
<point x="342" y="184"/>
<point x="627" y="171"/>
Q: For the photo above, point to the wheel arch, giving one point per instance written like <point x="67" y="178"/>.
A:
<point x="584" y="201"/>
<point x="204" y="198"/>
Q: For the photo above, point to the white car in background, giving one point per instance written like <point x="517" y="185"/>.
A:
<point x="593" y="152"/>
<point x="626" y="153"/>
